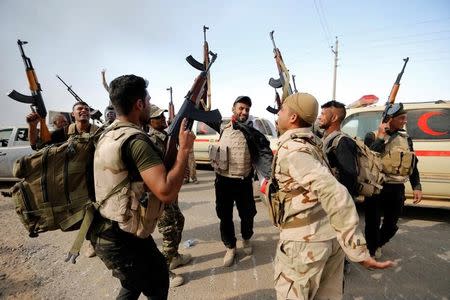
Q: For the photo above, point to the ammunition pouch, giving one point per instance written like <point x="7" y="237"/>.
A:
<point x="398" y="163"/>
<point x="275" y="203"/>
<point x="218" y="157"/>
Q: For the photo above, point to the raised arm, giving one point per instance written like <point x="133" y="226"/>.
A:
<point x="105" y="84"/>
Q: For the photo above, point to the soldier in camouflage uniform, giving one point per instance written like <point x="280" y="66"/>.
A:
<point x="319" y="221"/>
<point x="171" y="222"/>
<point x="191" y="170"/>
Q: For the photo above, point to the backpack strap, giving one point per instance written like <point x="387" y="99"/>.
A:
<point x="87" y="221"/>
<point x="76" y="246"/>
<point x="334" y="142"/>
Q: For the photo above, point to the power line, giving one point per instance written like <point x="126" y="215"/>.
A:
<point x="325" y="19"/>
<point x="365" y="46"/>
<point x="392" y="26"/>
<point x="324" y="28"/>
<point x="408" y="36"/>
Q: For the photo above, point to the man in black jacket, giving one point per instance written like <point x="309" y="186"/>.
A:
<point x="340" y="149"/>
<point x="242" y="149"/>
<point x="392" y="142"/>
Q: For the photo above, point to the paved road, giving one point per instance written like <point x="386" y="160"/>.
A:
<point x="421" y="248"/>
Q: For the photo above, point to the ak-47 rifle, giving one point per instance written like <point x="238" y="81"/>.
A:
<point x="205" y="99"/>
<point x="295" y="86"/>
<point x="35" y="100"/>
<point x="171" y="107"/>
<point x="95" y="113"/>
<point x="283" y="81"/>
<point x="192" y="109"/>
<point x="393" y="94"/>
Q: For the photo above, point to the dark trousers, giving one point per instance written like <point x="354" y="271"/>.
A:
<point x="136" y="262"/>
<point x="228" y="192"/>
<point x="389" y="203"/>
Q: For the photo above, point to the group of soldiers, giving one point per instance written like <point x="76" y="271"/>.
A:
<point x="137" y="193"/>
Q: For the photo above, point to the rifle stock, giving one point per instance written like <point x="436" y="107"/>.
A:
<point x="35" y="100"/>
<point x="394" y="91"/>
<point x="192" y="110"/>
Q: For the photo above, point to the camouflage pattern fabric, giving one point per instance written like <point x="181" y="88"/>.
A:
<point x="192" y="166"/>
<point x="299" y="276"/>
<point x="171" y="222"/>
<point x="319" y="218"/>
<point x="136" y="262"/>
<point x="170" y="225"/>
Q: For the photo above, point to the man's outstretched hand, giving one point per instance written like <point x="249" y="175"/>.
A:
<point x="371" y="263"/>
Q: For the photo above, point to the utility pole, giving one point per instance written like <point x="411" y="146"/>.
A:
<point x="335" y="51"/>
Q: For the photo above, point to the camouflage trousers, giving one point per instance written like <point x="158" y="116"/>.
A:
<point x="312" y="270"/>
<point x="170" y="225"/>
<point x="191" y="167"/>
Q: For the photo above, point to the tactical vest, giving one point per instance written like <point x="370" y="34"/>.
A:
<point x="281" y="211"/>
<point x="397" y="159"/>
<point x="118" y="198"/>
<point x="236" y="162"/>
<point x="370" y="177"/>
<point x="72" y="129"/>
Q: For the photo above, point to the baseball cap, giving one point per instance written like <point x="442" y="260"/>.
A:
<point x="155" y="111"/>
<point x="303" y="104"/>
<point x="395" y="110"/>
<point x="243" y="99"/>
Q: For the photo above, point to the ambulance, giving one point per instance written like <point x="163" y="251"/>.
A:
<point x="429" y="127"/>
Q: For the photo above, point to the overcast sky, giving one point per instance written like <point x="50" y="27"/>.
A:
<point x="76" y="39"/>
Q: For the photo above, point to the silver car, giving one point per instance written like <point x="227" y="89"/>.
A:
<point x="13" y="145"/>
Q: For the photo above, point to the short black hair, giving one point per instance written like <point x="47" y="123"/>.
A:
<point x="125" y="90"/>
<point x="338" y="105"/>
<point x="80" y="103"/>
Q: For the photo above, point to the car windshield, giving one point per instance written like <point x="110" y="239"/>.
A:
<point x="361" y="123"/>
<point x="5" y="133"/>
<point x="4" y="136"/>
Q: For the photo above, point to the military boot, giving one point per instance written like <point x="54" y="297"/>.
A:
<point x="175" y="279"/>
<point x="247" y="247"/>
<point x="179" y="260"/>
<point x="229" y="257"/>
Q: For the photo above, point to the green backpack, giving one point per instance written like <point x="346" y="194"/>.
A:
<point x="57" y="184"/>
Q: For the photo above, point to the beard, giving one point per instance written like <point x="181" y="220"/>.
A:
<point x="324" y="126"/>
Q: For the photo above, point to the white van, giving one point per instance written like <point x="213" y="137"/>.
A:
<point x="429" y="127"/>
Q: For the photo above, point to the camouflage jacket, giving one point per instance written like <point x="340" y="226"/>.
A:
<point x="317" y="207"/>
<point x="158" y="138"/>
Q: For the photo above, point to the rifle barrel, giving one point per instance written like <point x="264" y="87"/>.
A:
<point x="204" y="32"/>
<point x="272" y="38"/>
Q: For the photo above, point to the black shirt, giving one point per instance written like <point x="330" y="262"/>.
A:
<point x="343" y="158"/>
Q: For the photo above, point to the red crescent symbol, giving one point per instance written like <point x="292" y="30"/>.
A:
<point x="422" y="123"/>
